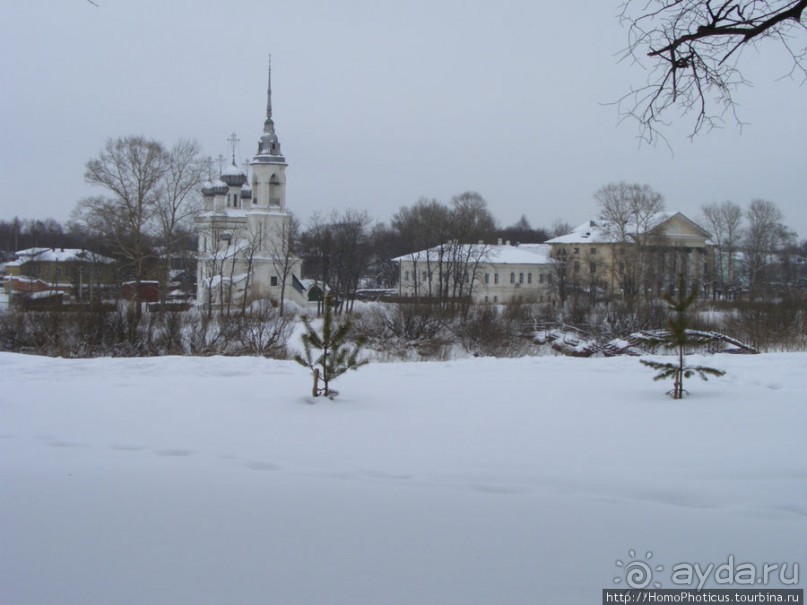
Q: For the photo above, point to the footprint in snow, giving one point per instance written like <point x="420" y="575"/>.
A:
<point x="256" y="465"/>
<point x="174" y="453"/>
<point x="68" y="444"/>
<point x="497" y="489"/>
<point x="385" y="475"/>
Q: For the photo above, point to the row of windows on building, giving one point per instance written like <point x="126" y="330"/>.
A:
<point x="515" y="278"/>
<point x="674" y="266"/>
<point x="563" y="252"/>
<point x="495" y="299"/>
<point x="539" y="299"/>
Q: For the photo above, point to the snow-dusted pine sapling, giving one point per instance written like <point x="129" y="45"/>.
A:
<point x="336" y="356"/>
<point x="678" y="338"/>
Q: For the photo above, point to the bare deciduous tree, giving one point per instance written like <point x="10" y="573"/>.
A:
<point x="560" y="227"/>
<point x="452" y="236"/>
<point x="147" y="188"/>
<point x="629" y="212"/>
<point x="316" y="248"/>
<point x="724" y="221"/>
<point x="337" y="253"/>
<point x="178" y="200"/>
<point x="765" y="235"/>
<point x="471" y="220"/>
<point x="420" y="227"/>
<point x="628" y="209"/>
<point x="351" y="253"/>
<point x="695" y="47"/>
<point x="282" y="250"/>
<point x="131" y="170"/>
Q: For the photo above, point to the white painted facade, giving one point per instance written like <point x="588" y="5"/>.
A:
<point x="243" y="230"/>
<point x="487" y="273"/>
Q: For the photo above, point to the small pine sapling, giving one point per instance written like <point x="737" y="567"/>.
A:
<point x="678" y="338"/>
<point x="335" y="357"/>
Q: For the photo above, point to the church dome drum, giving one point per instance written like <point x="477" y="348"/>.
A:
<point x="207" y="188"/>
<point x="234" y="176"/>
<point x="220" y="188"/>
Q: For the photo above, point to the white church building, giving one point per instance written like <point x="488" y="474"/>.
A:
<point x="243" y="230"/>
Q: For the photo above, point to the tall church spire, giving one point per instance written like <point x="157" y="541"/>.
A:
<point x="269" y="145"/>
<point x="269" y="95"/>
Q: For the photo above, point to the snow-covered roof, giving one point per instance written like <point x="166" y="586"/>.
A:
<point x="58" y="255"/>
<point x="598" y="231"/>
<point x="216" y="280"/>
<point x="542" y="251"/>
<point x="232" y="170"/>
<point x="24" y="279"/>
<point x="233" y="176"/>
<point x="590" y="232"/>
<point x="218" y="187"/>
<point x="311" y="283"/>
<point x="525" y="254"/>
<point x="45" y="294"/>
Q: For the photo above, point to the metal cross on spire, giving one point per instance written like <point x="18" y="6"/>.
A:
<point x="221" y="160"/>
<point x="233" y="140"/>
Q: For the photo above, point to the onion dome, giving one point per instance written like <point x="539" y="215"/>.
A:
<point x="234" y="176"/>
<point x="219" y="187"/>
<point x="207" y="188"/>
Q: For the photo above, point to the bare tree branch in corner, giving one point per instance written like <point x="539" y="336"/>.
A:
<point x="695" y="47"/>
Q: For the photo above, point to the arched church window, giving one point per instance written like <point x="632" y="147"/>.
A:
<point x="274" y="194"/>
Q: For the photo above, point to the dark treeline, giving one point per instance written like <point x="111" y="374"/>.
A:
<point x="21" y="234"/>
<point x="428" y="222"/>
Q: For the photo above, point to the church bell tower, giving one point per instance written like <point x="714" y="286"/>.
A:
<point x="269" y="165"/>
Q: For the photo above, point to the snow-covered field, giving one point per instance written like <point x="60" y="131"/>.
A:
<point x="214" y="480"/>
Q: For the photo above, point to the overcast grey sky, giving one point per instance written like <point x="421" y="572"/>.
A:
<point x="378" y="103"/>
